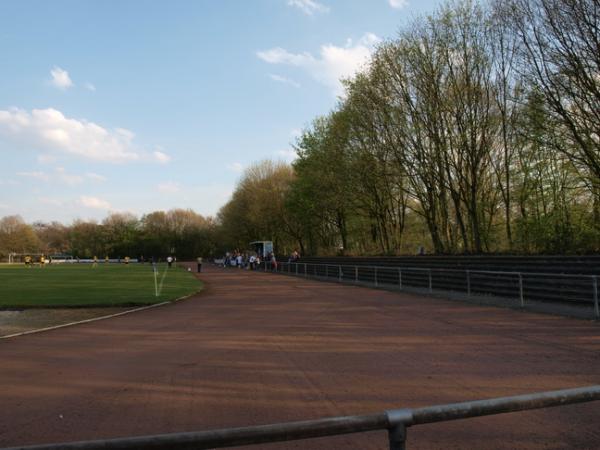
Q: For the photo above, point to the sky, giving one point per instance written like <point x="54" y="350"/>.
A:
<point x="113" y="106"/>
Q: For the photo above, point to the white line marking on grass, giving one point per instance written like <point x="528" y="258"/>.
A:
<point x="94" y="319"/>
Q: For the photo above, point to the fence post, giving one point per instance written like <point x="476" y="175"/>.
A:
<point x="430" y="283"/>
<point x="356" y="274"/>
<point x="375" y="276"/>
<point x="296" y="268"/>
<point x="521" y="290"/>
<point x="596" y="308"/>
<point x="397" y="437"/>
<point x="468" y="283"/>
<point x="400" y="278"/>
<point x="340" y="274"/>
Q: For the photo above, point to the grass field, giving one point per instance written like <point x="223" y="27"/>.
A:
<point x="81" y="285"/>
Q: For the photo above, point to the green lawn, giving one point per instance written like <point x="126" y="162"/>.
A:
<point x="81" y="285"/>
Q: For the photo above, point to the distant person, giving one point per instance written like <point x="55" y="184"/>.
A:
<point x="95" y="262"/>
<point x="142" y="259"/>
<point x="28" y="262"/>
<point x="252" y="262"/>
<point x="126" y="260"/>
<point x="169" y="260"/>
<point x="273" y="262"/>
<point x="106" y="259"/>
<point x="199" y="262"/>
<point x="42" y="261"/>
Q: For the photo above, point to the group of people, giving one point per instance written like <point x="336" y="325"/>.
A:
<point x="29" y="261"/>
<point x="252" y="260"/>
<point x="241" y="260"/>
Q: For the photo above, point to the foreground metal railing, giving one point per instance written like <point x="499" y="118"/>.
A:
<point x="394" y="421"/>
<point x="523" y="286"/>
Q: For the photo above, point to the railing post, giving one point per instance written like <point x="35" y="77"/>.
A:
<point x="340" y="274"/>
<point x="400" y="278"/>
<point x="430" y="282"/>
<point x="397" y="437"/>
<point x="296" y="264"/>
<point x="356" y="274"/>
<point x="521" y="290"/>
<point x="468" y="283"/>
<point x="596" y="308"/>
<point x="375" y="276"/>
<point x="305" y="272"/>
<point x="398" y="419"/>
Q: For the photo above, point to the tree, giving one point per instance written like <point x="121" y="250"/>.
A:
<point x="17" y="237"/>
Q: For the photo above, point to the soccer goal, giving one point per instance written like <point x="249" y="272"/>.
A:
<point x="19" y="258"/>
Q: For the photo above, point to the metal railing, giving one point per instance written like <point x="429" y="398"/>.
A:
<point x="394" y="421"/>
<point x="548" y="287"/>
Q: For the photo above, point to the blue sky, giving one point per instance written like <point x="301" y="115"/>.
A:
<point x="139" y="106"/>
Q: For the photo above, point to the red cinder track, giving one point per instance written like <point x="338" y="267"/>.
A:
<point x="257" y="348"/>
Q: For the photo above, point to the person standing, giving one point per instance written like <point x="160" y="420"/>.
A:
<point x="199" y="261"/>
<point x="170" y="261"/>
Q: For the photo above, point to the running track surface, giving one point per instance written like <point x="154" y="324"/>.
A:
<point x="258" y="348"/>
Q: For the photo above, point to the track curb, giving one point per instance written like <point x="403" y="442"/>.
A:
<point x="95" y="319"/>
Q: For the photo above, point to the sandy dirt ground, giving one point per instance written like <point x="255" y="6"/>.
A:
<point x="257" y="348"/>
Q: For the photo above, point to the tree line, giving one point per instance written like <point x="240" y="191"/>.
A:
<point x="158" y="234"/>
<point x="475" y="130"/>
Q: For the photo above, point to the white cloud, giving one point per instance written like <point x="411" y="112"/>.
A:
<point x="398" y="4"/>
<point x="46" y="158"/>
<point x="67" y="178"/>
<point x="161" y="157"/>
<point x="89" y="86"/>
<point x="288" y="155"/>
<point x="284" y="80"/>
<point x="95" y="177"/>
<point x="4" y="206"/>
<point x="169" y="187"/>
<point x="308" y="7"/>
<point x="333" y="64"/>
<point x="236" y="167"/>
<point x="49" y="130"/>
<point x="61" y="175"/>
<point x="60" y="78"/>
<point x="51" y="201"/>
<point x="41" y="176"/>
<point x="93" y="203"/>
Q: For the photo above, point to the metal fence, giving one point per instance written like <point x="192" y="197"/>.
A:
<point x="394" y="421"/>
<point x="545" y="287"/>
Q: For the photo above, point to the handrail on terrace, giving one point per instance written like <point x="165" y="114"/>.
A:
<point x="394" y="421"/>
<point x="442" y="269"/>
<point x="593" y="279"/>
